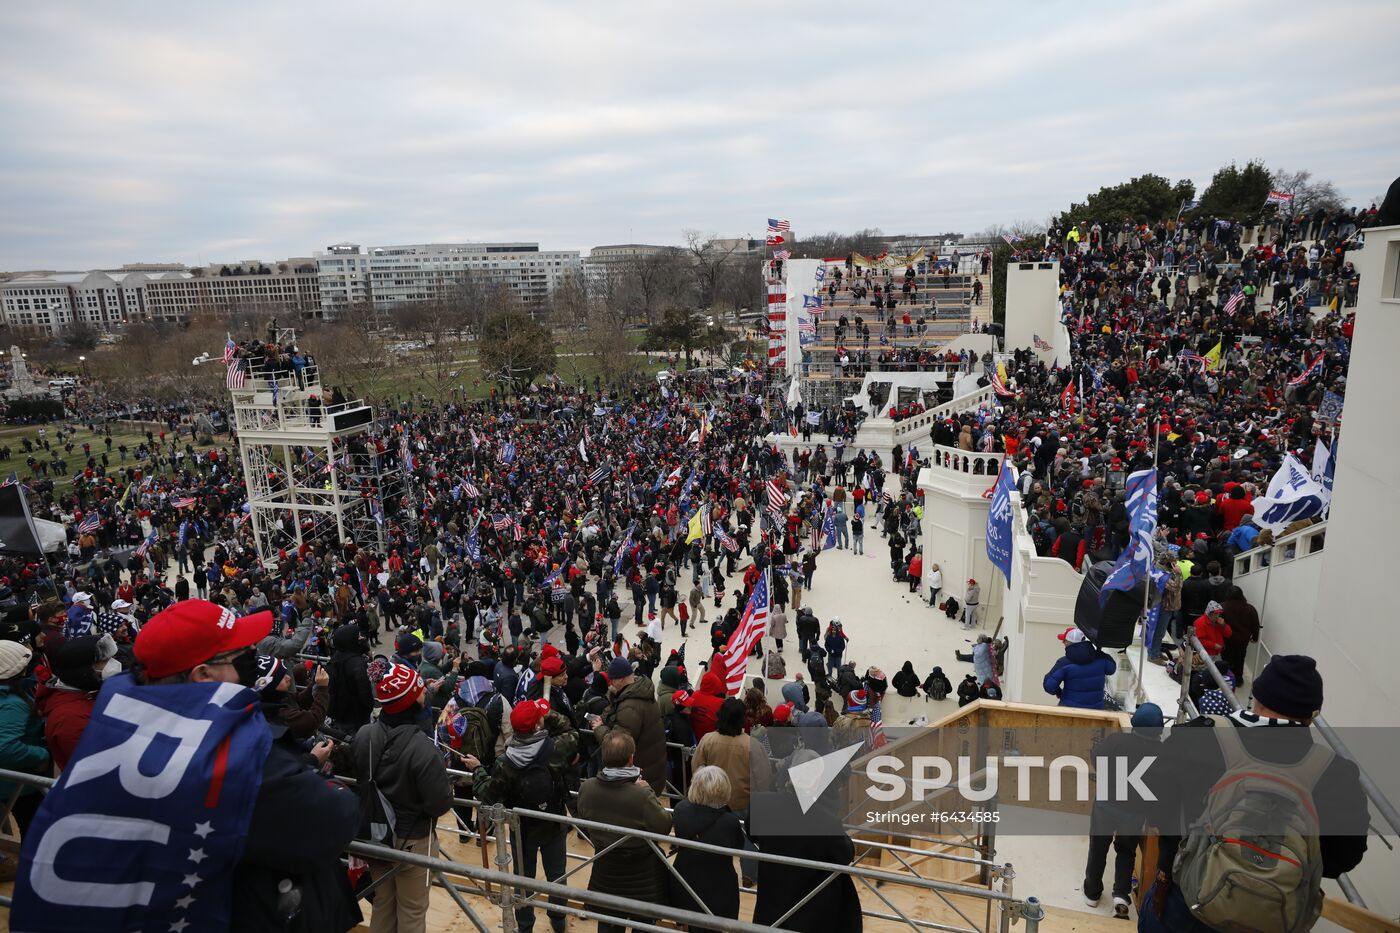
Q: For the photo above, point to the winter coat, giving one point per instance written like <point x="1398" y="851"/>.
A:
<point x="968" y="690"/>
<point x="835" y="905"/>
<point x="1243" y="620"/>
<point x="351" y="696"/>
<point x="21" y="740"/>
<point x="739" y="756"/>
<point x="300" y="825"/>
<point x="777" y="624"/>
<point x="634" y="708"/>
<point x="906" y="682"/>
<point x="1212" y="636"/>
<point x="66" y="711"/>
<point x="937" y="678"/>
<point x="1078" y="677"/>
<point x="807" y="624"/>
<point x="409" y="771"/>
<point x="631" y="868"/>
<point x="710" y="875"/>
<point x="982" y="662"/>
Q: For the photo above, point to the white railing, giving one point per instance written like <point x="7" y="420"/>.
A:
<point x="1301" y="543"/>
<point x="967" y="462"/>
<point x="923" y="422"/>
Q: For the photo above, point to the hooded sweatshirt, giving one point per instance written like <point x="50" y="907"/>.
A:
<point x="796" y="694"/>
<point x="705" y="704"/>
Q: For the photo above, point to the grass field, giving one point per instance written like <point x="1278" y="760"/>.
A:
<point x="13" y="436"/>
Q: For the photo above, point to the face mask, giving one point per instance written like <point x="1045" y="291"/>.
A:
<point x="246" y="664"/>
<point x="112" y="668"/>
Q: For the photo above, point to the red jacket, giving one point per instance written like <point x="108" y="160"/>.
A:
<point x="66" y="714"/>
<point x="1212" y="636"/>
<point x="705" y="704"/>
<point x="1232" y="510"/>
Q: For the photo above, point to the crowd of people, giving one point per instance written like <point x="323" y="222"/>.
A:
<point x="482" y="650"/>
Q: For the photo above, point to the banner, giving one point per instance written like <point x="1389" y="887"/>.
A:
<point x="886" y="261"/>
<point x="146" y="824"/>
<point x="1292" y="496"/>
<point x="17" y="535"/>
<point x="1135" y="562"/>
<point x="999" y="522"/>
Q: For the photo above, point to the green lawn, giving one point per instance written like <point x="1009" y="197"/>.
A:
<point x="13" y="436"/>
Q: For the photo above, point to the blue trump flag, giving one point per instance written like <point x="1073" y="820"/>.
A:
<point x="1160" y="579"/>
<point x="1136" y="560"/>
<point x="146" y="824"/>
<point x="474" y="543"/>
<point x="829" y="528"/>
<point x="999" y="522"/>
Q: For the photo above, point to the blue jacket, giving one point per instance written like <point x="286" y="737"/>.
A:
<point x="22" y="746"/>
<point x="1078" y="678"/>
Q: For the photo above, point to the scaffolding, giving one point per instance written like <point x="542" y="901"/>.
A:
<point x="314" y="472"/>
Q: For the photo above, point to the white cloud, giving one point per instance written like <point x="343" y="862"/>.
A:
<point x="273" y="129"/>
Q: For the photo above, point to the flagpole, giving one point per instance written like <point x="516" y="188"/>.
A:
<point x="1147" y="582"/>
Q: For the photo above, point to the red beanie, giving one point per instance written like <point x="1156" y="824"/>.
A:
<point x="396" y="686"/>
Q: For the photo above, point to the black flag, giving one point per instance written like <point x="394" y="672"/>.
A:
<point x="17" y="534"/>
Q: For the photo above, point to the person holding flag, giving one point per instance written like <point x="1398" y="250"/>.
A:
<point x="233" y="833"/>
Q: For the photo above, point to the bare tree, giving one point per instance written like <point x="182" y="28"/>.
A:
<point x="1309" y="194"/>
<point x="648" y="282"/>
<point x="709" y="258"/>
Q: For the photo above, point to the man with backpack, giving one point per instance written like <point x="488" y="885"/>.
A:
<point x="404" y="788"/>
<point x="531" y="774"/>
<point x="1262" y="813"/>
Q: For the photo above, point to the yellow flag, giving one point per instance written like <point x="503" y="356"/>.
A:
<point x="1213" y="357"/>
<point x="1001" y="371"/>
<point x="695" y="532"/>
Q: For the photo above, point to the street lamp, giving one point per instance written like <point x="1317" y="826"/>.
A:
<point x="82" y="361"/>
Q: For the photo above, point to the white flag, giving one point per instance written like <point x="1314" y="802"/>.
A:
<point x="1322" y="471"/>
<point x="1292" y="495"/>
<point x="581" y="451"/>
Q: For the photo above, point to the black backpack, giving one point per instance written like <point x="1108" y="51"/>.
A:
<point x="536" y="787"/>
<point x="950" y="608"/>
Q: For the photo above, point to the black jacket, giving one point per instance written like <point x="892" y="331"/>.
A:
<point x="351" y="696"/>
<point x="299" y="826"/>
<point x="906" y="682"/>
<point x="836" y="906"/>
<point x="409" y="771"/>
<point x="711" y="876"/>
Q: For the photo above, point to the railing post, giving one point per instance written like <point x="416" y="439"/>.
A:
<point x="500" y="827"/>
<point x="1034" y="913"/>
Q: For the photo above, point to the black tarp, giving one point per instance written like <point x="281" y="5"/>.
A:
<point x="1113" y="625"/>
<point x="17" y="535"/>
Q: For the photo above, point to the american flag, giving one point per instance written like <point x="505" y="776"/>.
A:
<point x="705" y="524"/>
<point x="145" y="546"/>
<point x="517" y="530"/>
<point x="469" y="489"/>
<point x="778" y="226"/>
<point x="1011" y="238"/>
<point x="184" y="502"/>
<point x="725" y="541"/>
<point x="783" y="254"/>
<point x="623" y="549"/>
<point x="11" y="480"/>
<point x="877" y="727"/>
<point x="1308" y="372"/>
<point x="999" y="387"/>
<point x="229" y="349"/>
<point x="236" y="375"/>
<point x="1041" y="344"/>
<point x="89" y="524"/>
<point x="476" y="441"/>
<point x="1192" y="359"/>
<point x="1233" y="304"/>
<point x="1278" y="197"/>
<point x="753" y="625"/>
<point x="777" y="495"/>
<point x="502" y="522"/>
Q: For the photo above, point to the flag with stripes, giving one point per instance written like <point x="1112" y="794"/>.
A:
<point x="598" y="475"/>
<point x="11" y="480"/>
<point x="877" y="727"/>
<point x="236" y="376"/>
<point x="184" y="502"/>
<point x="623" y="549"/>
<point x="753" y="625"/>
<point x="1312" y="369"/>
<point x="230" y="348"/>
<point x="502" y="522"/>
<point x="1041" y="344"/>
<point x="778" y="226"/>
<point x="1278" y="197"/>
<point x="476" y="440"/>
<point x="1233" y="303"/>
<point x="812" y="301"/>
<point x="1011" y="238"/>
<point x="783" y="254"/>
<point x="469" y="489"/>
<point x="999" y="387"/>
<point x="706" y="525"/>
<point x="724" y="539"/>
<point x="89" y="524"/>
<point x="517" y="530"/>
<point x="1192" y="359"/>
<point x="145" y="546"/>
<point x="777" y="495"/>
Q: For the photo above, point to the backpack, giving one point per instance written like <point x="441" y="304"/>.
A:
<point x="775" y="668"/>
<point x="536" y="787"/>
<point x="1253" y="860"/>
<point x="378" y="820"/>
<point x="939" y="689"/>
<point x="950" y="608"/>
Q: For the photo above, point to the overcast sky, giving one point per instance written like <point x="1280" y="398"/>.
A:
<point x="213" y="131"/>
